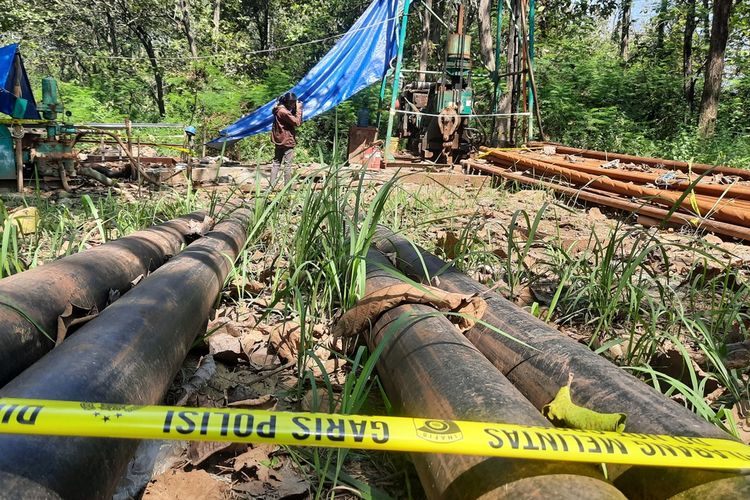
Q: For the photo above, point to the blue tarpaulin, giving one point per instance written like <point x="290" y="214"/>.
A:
<point x="8" y="82"/>
<point x="361" y="58"/>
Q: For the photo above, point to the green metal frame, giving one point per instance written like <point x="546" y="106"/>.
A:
<point x="496" y="95"/>
<point x="532" y="20"/>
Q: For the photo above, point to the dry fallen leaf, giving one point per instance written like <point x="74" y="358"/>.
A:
<point x="200" y="451"/>
<point x="72" y="316"/>
<point x="375" y="303"/>
<point x="254" y="456"/>
<point x="225" y="347"/>
<point x="179" y="485"/>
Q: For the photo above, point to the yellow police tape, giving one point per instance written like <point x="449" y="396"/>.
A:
<point x="64" y="418"/>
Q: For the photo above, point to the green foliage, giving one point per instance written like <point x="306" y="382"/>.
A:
<point x="591" y="98"/>
<point x="85" y="106"/>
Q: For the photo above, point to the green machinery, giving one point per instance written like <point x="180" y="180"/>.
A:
<point x="434" y="116"/>
<point x="54" y="153"/>
<point x="7" y="155"/>
<point x="47" y="144"/>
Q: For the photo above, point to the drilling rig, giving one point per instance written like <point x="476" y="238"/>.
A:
<point x="434" y="116"/>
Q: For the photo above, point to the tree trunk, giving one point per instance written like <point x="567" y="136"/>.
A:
<point x="714" y="67"/>
<point x="662" y="23"/>
<point x="184" y="7"/>
<point x="424" y="53"/>
<point x="438" y="36"/>
<point x="217" y="18"/>
<point x="263" y="22"/>
<point x="687" y="56"/>
<point x="148" y="45"/>
<point x="486" y="38"/>
<point x="112" y="33"/>
<point x="706" y="17"/>
<point x="269" y="32"/>
<point x="626" y="6"/>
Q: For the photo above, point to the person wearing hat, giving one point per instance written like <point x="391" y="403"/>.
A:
<point x="287" y="117"/>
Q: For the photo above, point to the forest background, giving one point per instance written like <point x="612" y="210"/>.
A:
<point x="650" y="77"/>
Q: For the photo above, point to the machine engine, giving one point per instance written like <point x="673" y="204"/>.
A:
<point x="435" y="115"/>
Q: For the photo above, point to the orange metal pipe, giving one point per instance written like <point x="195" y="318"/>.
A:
<point x="717" y="227"/>
<point x="699" y="168"/>
<point x="711" y="200"/>
<point x="724" y="210"/>
<point x="714" y="190"/>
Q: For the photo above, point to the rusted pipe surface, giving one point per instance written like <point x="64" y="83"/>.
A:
<point x="84" y="280"/>
<point x="540" y="370"/>
<point x="699" y="168"/>
<point x="128" y="355"/>
<point x="740" y="192"/>
<point x="585" y="194"/>
<point x="721" y="209"/>
<point x="430" y="370"/>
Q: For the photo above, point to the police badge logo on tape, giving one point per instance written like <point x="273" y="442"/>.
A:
<point x="438" y="431"/>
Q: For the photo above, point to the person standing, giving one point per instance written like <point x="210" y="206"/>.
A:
<point x="287" y="117"/>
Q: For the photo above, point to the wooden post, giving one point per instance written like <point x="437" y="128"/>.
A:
<point x="138" y="161"/>
<point x="129" y="135"/>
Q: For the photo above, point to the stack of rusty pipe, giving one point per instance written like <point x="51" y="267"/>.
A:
<point x="430" y="369"/>
<point x="32" y="302"/>
<point x="640" y="208"/>
<point x="539" y="365"/>
<point x="699" y="168"/>
<point x="685" y="199"/>
<point x="129" y="354"/>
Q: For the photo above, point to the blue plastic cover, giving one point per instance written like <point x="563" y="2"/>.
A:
<point x="361" y="58"/>
<point x="8" y="81"/>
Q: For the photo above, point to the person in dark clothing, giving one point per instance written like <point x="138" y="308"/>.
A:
<point x="287" y="117"/>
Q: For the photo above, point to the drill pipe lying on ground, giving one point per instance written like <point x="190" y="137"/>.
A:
<point x="724" y="210"/>
<point x="128" y="355"/>
<point x="430" y="370"/>
<point x="696" y="168"/>
<point x="83" y="280"/>
<point x="714" y="191"/>
<point x="604" y="199"/>
<point x="539" y="372"/>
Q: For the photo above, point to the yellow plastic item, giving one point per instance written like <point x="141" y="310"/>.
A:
<point x="66" y="418"/>
<point x="26" y="219"/>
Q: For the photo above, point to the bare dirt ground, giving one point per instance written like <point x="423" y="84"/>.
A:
<point x="256" y="359"/>
<point x="510" y="239"/>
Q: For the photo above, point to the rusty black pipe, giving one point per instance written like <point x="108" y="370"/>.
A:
<point x="128" y="355"/>
<point x="84" y="280"/>
<point x="430" y="370"/>
<point x="538" y="371"/>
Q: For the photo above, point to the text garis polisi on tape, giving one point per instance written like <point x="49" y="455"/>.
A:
<point x="84" y="419"/>
<point x="245" y="424"/>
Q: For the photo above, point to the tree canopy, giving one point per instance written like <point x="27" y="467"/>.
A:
<point x="608" y="76"/>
